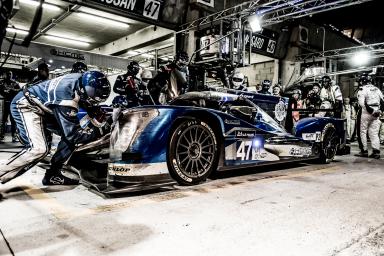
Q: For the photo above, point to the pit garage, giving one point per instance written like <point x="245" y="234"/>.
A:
<point x="197" y="127"/>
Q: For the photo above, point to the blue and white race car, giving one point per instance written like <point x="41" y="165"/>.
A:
<point x="201" y="133"/>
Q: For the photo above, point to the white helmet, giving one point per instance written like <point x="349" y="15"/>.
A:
<point x="237" y="80"/>
<point x="146" y="75"/>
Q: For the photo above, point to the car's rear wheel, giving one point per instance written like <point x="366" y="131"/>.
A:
<point x="192" y="152"/>
<point x="330" y="142"/>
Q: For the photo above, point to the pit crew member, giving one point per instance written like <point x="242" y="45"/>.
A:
<point x="371" y="101"/>
<point x="54" y="103"/>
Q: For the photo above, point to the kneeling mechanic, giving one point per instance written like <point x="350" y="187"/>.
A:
<point x="53" y="105"/>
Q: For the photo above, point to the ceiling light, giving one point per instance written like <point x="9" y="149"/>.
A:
<point x="147" y="55"/>
<point x="255" y="23"/>
<point x="103" y="20"/>
<point x="361" y="58"/>
<point x="45" y="6"/>
<point x="67" y="40"/>
<point x="104" y="15"/>
<point x="50" y="61"/>
<point x="132" y="52"/>
<point x="17" y="31"/>
<point x="63" y="67"/>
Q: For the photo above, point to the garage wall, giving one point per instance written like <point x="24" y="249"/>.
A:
<point x="262" y="68"/>
<point x="258" y="72"/>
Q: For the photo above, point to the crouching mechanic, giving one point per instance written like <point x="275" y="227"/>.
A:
<point x="371" y="101"/>
<point x="54" y="103"/>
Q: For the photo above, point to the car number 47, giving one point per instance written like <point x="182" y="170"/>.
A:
<point x="244" y="150"/>
<point x="151" y="9"/>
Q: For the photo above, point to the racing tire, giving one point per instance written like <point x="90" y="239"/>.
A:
<point x="329" y="145"/>
<point x="192" y="152"/>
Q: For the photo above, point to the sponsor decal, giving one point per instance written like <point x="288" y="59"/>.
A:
<point x="182" y="175"/>
<point x="280" y="111"/>
<point x="67" y="54"/>
<point x="118" y="169"/>
<point x="232" y="122"/>
<point x="245" y="134"/>
<point x="300" y="151"/>
<point x="315" y="136"/>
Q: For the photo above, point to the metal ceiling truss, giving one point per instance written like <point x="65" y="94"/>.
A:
<point x="377" y="48"/>
<point x="272" y="11"/>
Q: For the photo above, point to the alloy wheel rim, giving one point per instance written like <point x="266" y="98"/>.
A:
<point x="195" y="151"/>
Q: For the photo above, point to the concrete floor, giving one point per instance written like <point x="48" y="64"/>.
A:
<point x="300" y="209"/>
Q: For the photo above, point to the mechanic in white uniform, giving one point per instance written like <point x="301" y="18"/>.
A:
<point x="370" y="100"/>
<point x="331" y="92"/>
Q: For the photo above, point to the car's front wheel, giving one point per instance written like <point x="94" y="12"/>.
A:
<point x="330" y="143"/>
<point x="192" y="152"/>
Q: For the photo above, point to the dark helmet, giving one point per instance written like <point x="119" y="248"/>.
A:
<point x="364" y="79"/>
<point x="181" y="59"/>
<point x="43" y="66"/>
<point x="79" y="67"/>
<point x="266" y="84"/>
<point x="9" y="74"/>
<point x="133" y="68"/>
<point x="95" y="87"/>
<point x="326" y="81"/>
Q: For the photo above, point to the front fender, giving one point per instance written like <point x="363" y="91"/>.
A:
<point x="311" y="128"/>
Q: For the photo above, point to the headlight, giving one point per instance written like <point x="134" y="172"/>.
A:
<point x="130" y="125"/>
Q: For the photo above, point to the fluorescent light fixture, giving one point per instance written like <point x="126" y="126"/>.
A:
<point x="17" y="31"/>
<point x="146" y="55"/>
<point x="255" y="23"/>
<point x="361" y="58"/>
<point x="89" y="17"/>
<point x="132" y="52"/>
<point x="45" y="6"/>
<point x="104" y="14"/>
<point x="67" y="41"/>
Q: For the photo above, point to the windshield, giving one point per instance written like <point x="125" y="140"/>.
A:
<point x="267" y="123"/>
<point x="235" y="105"/>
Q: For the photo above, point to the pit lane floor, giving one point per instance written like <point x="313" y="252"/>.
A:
<point x="298" y="209"/>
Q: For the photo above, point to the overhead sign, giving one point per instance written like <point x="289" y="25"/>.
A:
<point x="260" y="43"/>
<point x="67" y="54"/>
<point x="156" y="12"/>
<point x="148" y="8"/>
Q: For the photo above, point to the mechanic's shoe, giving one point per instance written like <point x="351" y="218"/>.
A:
<point x="58" y="178"/>
<point x="363" y="153"/>
<point x="375" y="154"/>
<point x="15" y="139"/>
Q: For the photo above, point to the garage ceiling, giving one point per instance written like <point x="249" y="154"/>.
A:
<point x="82" y="28"/>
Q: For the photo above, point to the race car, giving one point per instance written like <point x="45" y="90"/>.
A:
<point x="197" y="135"/>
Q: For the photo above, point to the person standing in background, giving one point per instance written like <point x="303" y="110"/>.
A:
<point x="8" y="90"/>
<point x="381" y="134"/>
<point x="349" y="113"/>
<point x="296" y="105"/>
<point x="42" y="73"/>
<point x="276" y="90"/>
